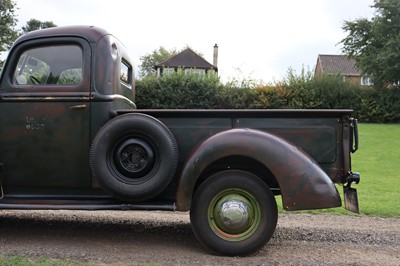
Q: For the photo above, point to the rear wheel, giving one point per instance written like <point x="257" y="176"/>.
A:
<point x="233" y="213"/>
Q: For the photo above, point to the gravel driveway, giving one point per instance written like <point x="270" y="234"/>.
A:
<point x="138" y="237"/>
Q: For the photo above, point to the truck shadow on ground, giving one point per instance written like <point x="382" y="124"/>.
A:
<point x="74" y="232"/>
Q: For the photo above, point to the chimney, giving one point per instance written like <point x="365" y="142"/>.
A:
<point x="215" y="58"/>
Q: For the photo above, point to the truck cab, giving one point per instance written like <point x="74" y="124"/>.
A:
<point x="57" y="88"/>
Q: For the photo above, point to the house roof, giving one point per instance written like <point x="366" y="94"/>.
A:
<point x="338" y="64"/>
<point x="187" y="59"/>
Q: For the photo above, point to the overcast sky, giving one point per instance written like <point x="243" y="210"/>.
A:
<point x="260" y="40"/>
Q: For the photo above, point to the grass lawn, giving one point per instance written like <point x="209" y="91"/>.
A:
<point x="378" y="162"/>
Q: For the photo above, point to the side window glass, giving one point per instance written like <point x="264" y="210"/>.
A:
<point x="125" y="74"/>
<point x="31" y="70"/>
<point x="49" y="65"/>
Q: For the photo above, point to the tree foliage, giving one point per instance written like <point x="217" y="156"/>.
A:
<point x="375" y="43"/>
<point x="34" y="24"/>
<point x="8" y="21"/>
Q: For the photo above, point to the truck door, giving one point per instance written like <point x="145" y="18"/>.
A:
<point x="45" y="115"/>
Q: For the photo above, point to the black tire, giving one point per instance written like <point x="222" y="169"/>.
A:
<point x="134" y="157"/>
<point x="233" y="213"/>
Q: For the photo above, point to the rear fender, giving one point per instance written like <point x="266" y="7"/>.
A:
<point x="303" y="184"/>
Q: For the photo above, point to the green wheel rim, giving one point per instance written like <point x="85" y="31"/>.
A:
<point x="234" y="215"/>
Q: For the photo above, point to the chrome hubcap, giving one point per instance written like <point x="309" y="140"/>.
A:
<point x="233" y="214"/>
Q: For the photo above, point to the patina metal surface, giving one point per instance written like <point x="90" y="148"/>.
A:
<point x="46" y="129"/>
<point x="322" y="134"/>
<point x="302" y="182"/>
<point x="44" y="144"/>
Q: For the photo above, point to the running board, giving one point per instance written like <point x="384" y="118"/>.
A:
<point x="92" y="206"/>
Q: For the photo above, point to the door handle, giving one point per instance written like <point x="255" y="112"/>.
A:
<point x="80" y="106"/>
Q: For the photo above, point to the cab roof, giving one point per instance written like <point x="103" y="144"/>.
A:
<point x="91" y="33"/>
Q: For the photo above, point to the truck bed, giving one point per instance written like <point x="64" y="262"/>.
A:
<point x="323" y="134"/>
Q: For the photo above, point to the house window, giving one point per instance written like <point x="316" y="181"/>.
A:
<point x="168" y="71"/>
<point x="195" y="71"/>
<point x="366" y="81"/>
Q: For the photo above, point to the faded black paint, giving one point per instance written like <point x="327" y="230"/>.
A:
<point x="302" y="182"/>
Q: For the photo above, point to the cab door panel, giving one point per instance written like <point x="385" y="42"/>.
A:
<point x="45" y="114"/>
<point x="45" y="143"/>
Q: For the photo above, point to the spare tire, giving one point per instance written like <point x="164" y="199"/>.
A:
<point x="134" y="156"/>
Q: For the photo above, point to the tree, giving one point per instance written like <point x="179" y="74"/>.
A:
<point x="375" y="43"/>
<point x="34" y="24"/>
<point x="148" y="61"/>
<point x="8" y="21"/>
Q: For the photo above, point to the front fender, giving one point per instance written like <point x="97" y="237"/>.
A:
<point x="303" y="184"/>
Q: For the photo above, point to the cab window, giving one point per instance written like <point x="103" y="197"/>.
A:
<point x="126" y="74"/>
<point x="49" y="65"/>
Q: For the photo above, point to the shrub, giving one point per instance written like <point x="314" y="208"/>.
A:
<point x="380" y="105"/>
<point x="190" y="91"/>
<point x="178" y="91"/>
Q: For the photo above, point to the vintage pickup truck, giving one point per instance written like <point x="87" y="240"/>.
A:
<point x="72" y="138"/>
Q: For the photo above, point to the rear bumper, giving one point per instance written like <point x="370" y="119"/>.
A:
<point x="350" y="194"/>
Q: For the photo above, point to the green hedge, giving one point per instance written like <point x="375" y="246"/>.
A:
<point x="182" y="91"/>
<point x="178" y="91"/>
